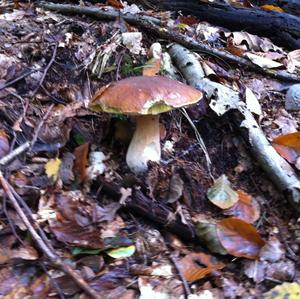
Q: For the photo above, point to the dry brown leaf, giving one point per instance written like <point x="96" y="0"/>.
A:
<point x="81" y="162"/>
<point x="246" y="208"/>
<point x="239" y="238"/>
<point x="195" y="266"/>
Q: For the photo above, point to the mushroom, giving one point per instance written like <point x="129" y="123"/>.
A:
<point x="144" y="97"/>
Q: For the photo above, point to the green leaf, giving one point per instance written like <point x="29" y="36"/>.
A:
<point x="121" y="252"/>
<point x="84" y="251"/>
<point x="221" y="194"/>
<point x="79" y="139"/>
<point x="207" y="233"/>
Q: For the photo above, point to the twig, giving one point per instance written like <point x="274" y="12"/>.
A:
<point x="27" y="145"/>
<point x="53" y="281"/>
<point x="200" y="142"/>
<point x="16" y="152"/>
<point x="46" y="70"/>
<point x="184" y="282"/>
<point x="18" y="78"/>
<point x="153" y="25"/>
<point x="55" y="259"/>
<point x="36" y="133"/>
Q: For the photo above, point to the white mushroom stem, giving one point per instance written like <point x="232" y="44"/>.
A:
<point x="145" y="144"/>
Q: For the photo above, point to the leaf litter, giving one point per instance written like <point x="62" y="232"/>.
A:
<point x="98" y="225"/>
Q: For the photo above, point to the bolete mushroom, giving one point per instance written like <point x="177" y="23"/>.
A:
<point x="144" y="97"/>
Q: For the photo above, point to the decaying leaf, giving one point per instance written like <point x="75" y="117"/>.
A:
<point x="246" y="208"/>
<point x="272" y="251"/>
<point x="195" y="266"/>
<point x="254" y="42"/>
<point x="52" y="168"/>
<point x="81" y="162"/>
<point x="255" y="270"/>
<point x="221" y="194"/>
<point x="207" y="233"/>
<point x="239" y="238"/>
<point x="72" y="233"/>
<point x="263" y="62"/>
<point x="284" y="291"/>
<point x="252" y="102"/>
<point x="176" y="188"/>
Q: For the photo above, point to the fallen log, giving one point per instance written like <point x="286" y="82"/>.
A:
<point x="149" y="209"/>
<point x="282" y="28"/>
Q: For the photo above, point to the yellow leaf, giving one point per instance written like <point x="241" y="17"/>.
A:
<point x="52" y="168"/>
<point x="272" y="7"/>
<point x="284" y="291"/>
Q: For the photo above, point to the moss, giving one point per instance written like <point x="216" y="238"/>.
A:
<point x="128" y="67"/>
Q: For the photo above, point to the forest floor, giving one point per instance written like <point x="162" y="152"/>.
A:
<point x="183" y="229"/>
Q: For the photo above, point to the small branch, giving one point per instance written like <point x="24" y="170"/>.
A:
<point x="36" y="133"/>
<point x="46" y="70"/>
<point x="16" y="152"/>
<point x="153" y="25"/>
<point x="24" y="75"/>
<point x="279" y="171"/>
<point x="55" y="259"/>
<point x="184" y="282"/>
<point x="27" y="145"/>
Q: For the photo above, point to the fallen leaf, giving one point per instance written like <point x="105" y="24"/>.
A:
<point x="289" y="154"/>
<point x="4" y="144"/>
<point x="239" y="238"/>
<point x="272" y="7"/>
<point x="52" y="168"/>
<point x="246" y="208"/>
<point x="290" y="140"/>
<point x="221" y="194"/>
<point x="282" y="270"/>
<point x="122" y="252"/>
<point x="207" y="233"/>
<point x="255" y="270"/>
<point x="72" y="233"/>
<point x="284" y="291"/>
<point x="252" y="102"/>
<point x="272" y="251"/>
<point x="115" y="3"/>
<point x="81" y="162"/>
<point x="263" y="62"/>
<point x="176" y="188"/>
<point x="195" y="266"/>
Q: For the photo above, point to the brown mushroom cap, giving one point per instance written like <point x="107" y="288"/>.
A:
<point x="144" y="95"/>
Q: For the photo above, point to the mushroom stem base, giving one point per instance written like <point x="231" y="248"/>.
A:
<point x="145" y="144"/>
